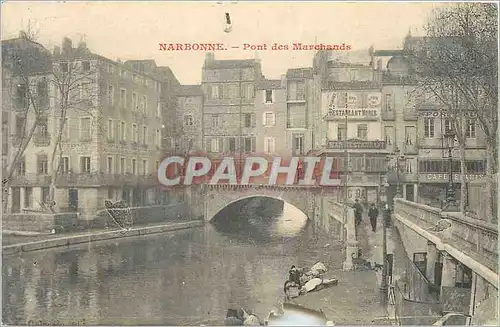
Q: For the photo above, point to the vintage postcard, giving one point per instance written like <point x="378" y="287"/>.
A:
<point x="249" y="163"/>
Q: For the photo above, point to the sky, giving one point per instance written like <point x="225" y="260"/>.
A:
<point x="133" y="30"/>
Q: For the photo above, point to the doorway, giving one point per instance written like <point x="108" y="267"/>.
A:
<point x="410" y="192"/>
<point x="16" y="199"/>
<point x="73" y="200"/>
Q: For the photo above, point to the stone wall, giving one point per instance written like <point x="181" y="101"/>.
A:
<point x="72" y="222"/>
<point x="39" y="222"/>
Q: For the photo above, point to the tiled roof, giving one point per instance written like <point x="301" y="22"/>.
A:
<point x="188" y="90"/>
<point x="269" y="84"/>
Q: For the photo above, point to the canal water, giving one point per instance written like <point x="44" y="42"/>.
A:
<point x="187" y="277"/>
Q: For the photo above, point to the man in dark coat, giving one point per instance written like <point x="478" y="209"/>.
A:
<point x="373" y="215"/>
<point x="358" y="212"/>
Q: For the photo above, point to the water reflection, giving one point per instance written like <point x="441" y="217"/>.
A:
<point x="188" y="277"/>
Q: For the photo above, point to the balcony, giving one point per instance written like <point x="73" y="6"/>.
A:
<point x="104" y="179"/>
<point x="31" y="180"/>
<point x="388" y="115"/>
<point x="41" y="139"/>
<point x="404" y="177"/>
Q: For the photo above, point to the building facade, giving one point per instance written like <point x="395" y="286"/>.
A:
<point x="189" y="115"/>
<point x="110" y="138"/>
<point x="351" y="103"/>
<point x="229" y="118"/>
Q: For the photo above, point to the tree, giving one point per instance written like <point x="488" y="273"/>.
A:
<point x="25" y="67"/>
<point x="75" y="84"/>
<point x="457" y="65"/>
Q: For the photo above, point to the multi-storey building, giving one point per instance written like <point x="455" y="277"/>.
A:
<point x="420" y="126"/>
<point x="271" y="116"/>
<point x="351" y="102"/>
<point x="228" y="109"/>
<point x="26" y="72"/>
<point x="399" y="125"/>
<point x="189" y="115"/>
<point x="111" y="137"/>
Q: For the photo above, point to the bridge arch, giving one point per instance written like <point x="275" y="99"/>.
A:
<point x="219" y="197"/>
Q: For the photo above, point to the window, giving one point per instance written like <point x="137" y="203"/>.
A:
<point x="43" y="129"/>
<point x="110" y="129"/>
<point x="85" y="132"/>
<point x="135" y="103"/>
<point x="44" y="194"/>
<point x="429" y="127"/>
<point x="269" y="96"/>
<point x="42" y="93"/>
<point x="158" y="138"/>
<point x="109" y="167"/>
<point x="86" y="66"/>
<point x="64" y="165"/>
<point x="111" y="95"/>
<point x="110" y="69"/>
<point x="362" y="131"/>
<point x="470" y="128"/>
<point x="123" y="98"/>
<point x="269" y="143"/>
<point x="134" y="133"/>
<point x="215" y="120"/>
<point x="21" y="167"/>
<point x="21" y="96"/>
<point x="158" y="109"/>
<point x="215" y="145"/>
<point x="247" y="91"/>
<point x="85" y="91"/>
<point x="28" y="197"/>
<point x="123" y="131"/>
<point x="144" y="104"/>
<point x="249" y="144"/>
<point x="188" y="120"/>
<point x="122" y="165"/>
<point x="144" y="135"/>
<point x="64" y="67"/>
<point x="448" y="126"/>
<point x="20" y="122"/>
<point x="298" y="144"/>
<point x="341" y="132"/>
<point x="232" y="144"/>
<point x="269" y="119"/>
<point x="354" y="75"/>
<point x="144" y="167"/>
<point x="134" y="166"/>
<point x="217" y="92"/>
<point x="410" y="135"/>
<point x="85" y="164"/>
<point x="122" y="73"/>
<point x="389" y="135"/>
<point x="42" y="164"/>
<point x="248" y="120"/>
<point x="409" y="167"/>
<point x="388" y="102"/>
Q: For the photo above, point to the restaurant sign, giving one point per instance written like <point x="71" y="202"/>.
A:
<point x="444" y="177"/>
<point x="356" y="144"/>
<point x="350" y="106"/>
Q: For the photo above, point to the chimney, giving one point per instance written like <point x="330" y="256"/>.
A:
<point x="67" y="45"/>
<point x="283" y="81"/>
<point x="57" y="51"/>
<point x="209" y="56"/>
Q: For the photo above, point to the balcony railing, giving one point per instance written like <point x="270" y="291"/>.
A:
<point x="105" y="179"/>
<point x="473" y="237"/>
<point x="41" y="139"/>
<point x="30" y="180"/>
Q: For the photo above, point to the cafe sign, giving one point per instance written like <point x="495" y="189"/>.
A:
<point x="357" y="144"/>
<point x="444" y="177"/>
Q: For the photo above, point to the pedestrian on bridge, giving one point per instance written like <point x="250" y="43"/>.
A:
<point x="373" y="215"/>
<point x="358" y="212"/>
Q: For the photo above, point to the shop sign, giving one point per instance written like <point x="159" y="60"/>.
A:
<point x="444" y="177"/>
<point x="356" y="144"/>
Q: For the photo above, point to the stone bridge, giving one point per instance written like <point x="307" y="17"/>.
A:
<point x="305" y="198"/>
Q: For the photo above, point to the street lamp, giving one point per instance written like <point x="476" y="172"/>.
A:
<point x="450" y="190"/>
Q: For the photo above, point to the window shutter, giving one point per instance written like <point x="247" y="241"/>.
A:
<point x="274" y="119"/>
<point x="252" y="119"/>
<point x="221" y="144"/>
<point x="209" y="145"/>
<point x="253" y="144"/>
<point x="264" y="119"/>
